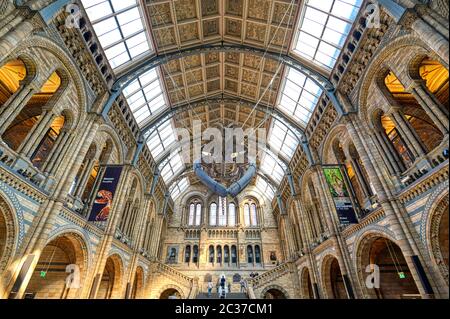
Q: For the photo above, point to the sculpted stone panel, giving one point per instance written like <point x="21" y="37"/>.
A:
<point x="188" y="32"/>
<point x="185" y="9"/>
<point x="256" y="32"/>
<point x="259" y="9"/>
<point x="160" y="14"/>
<point x="211" y="27"/>
<point x="234" y="7"/>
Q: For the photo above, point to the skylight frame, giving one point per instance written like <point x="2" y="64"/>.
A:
<point x="321" y="41"/>
<point x="265" y="188"/>
<point x="272" y="168"/>
<point x="141" y="97"/>
<point x="300" y="106"/>
<point x="173" y="167"/>
<point x="282" y="140"/>
<point x="123" y="29"/>
<point x="179" y="188"/>
<point x="162" y="138"/>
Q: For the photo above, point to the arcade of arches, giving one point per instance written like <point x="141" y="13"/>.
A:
<point x="349" y="198"/>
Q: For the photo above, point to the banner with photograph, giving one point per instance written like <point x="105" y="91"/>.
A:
<point x="105" y="194"/>
<point x="341" y="195"/>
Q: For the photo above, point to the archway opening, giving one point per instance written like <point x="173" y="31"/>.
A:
<point x="338" y="290"/>
<point x="50" y="277"/>
<point x="274" y="294"/>
<point x="307" y="287"/>
<point x="32" y="113"/>
<point x="436" y="78"/>
<point x="170" y="293"/>
<point x="110" y="284"/>
<point x="12" y="73"/>
<point x="138" y="284"/>
<point x="414" y="115"/>
<point x="395" y="280"/>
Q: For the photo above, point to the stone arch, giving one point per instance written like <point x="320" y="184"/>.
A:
<point x="306" y="288"/>
<point x="368" y="250"/>
<point x="29" y="62"/>
<point x="66" y="61"/>
<point x="378" y="62"/>
<point x="434" y="229"/>
<point x="112" y="279"/>
<point x="276" y="288"/>
<point x="8" y="232"/>
<point x="115" y="139"/>
<point x="49" y="279"/>
<point x="332" y="282"/>
<point x="137" y="291"/>
<point x="170" y="288"/>
<point x="337" y="132"/>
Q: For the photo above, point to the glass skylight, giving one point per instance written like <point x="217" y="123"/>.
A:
<point x="324" y="28"/>
<point x="265" y="188"/>
<point x="282" y="140"/>
<point x="161" y="139"/>
<point x="173" y="167"/>
<point x="300" y="96"/>
<point x="120" y="29"/>
<point x="272" y="168"/>
<point x="145" y="96"/>
<point x="178" y="188"/>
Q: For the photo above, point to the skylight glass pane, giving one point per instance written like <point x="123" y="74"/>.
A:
<point x="324" y="28"/>
<point x="145" y="97"/>
<point x="178" y="188"/>
<point x="272" y="168"/>
<point x="299" y="97"/>
<point x="120" y="29"/>
<point x="172" y="168"/>
<point x="282" y="140"/>
<point x="265" y="188"/>
<point x="161" y="139"/>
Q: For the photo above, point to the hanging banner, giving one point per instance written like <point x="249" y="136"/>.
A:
<point x="105" y="194"/>
<point x="341" y="195"/>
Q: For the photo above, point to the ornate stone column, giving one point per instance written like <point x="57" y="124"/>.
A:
<point x="430" y="106"/>
<point x="428" y="34"/>
<point x="407" y="133"/>
<point x="395" y="215"/>
<point x="37" y="133"/>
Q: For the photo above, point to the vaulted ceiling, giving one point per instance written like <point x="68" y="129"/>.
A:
<point x="311" y="30"/>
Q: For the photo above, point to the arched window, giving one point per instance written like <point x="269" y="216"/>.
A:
<point x="195" y="254"/>
<point x="195" y="214"/>
<point x="253" y="215"/>
<point x="213" y="214"/>
<point x="187" y="254"/>
<point x="233" y="255"/>
<point x="222" y="214"/>
<point x="226" y="255"/>
<point x="198" y="214"/>
<point x="257" y="254"/>
<point x="211" y="254"/>
<point x="250" y="254"/>
<point x="231" y="214"/>
<point x="247" y="220"/>
<point x="191" y="218"/>
<point x="219" y="254"/>
<point x="222" y="211"/>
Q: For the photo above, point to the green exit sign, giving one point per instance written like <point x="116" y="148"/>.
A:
<point x="402" y="275"/>
<point x="43" y="274"/>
